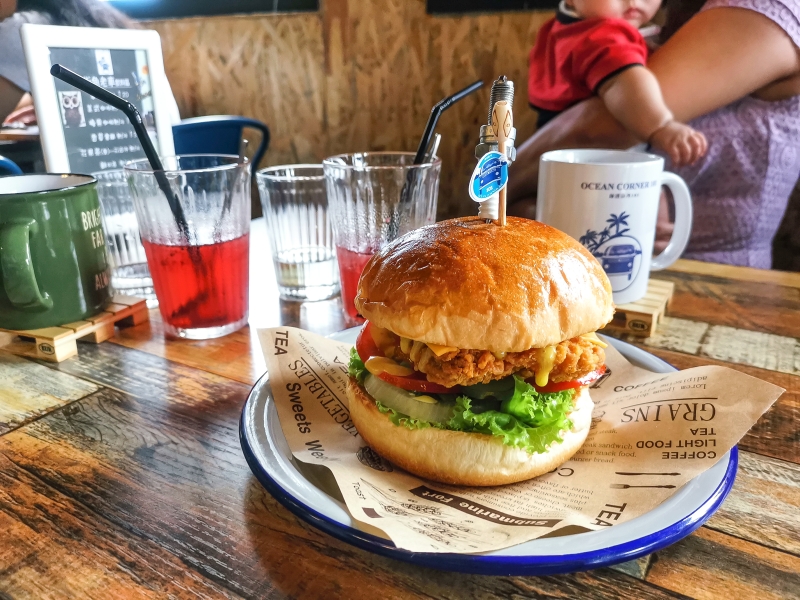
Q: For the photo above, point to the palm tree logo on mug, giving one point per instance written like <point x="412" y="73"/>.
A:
<point x="618" y="252"/>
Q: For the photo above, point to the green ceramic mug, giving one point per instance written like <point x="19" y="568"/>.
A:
<point x="53" y="267"/>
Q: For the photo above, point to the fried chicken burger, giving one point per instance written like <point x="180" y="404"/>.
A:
<point x="474" y="365"/>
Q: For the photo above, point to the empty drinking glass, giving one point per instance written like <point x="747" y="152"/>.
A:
<point x="296" y="211"/>
<point x="129" y="272"/>
<point x="375" y="197"/>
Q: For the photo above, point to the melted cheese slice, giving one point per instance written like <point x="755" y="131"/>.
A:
<point x="407" y="345"/>
<point x="439" y="350"/>
<point x="592" y="337"/>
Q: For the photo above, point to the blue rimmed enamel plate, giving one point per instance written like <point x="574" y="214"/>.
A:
<point x="269" y="457"/>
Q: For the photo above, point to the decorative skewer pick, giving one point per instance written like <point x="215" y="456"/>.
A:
<point x="502" y="124"/>
<point x="495" y="152"/>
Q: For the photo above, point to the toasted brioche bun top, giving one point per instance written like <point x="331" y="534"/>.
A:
<point x="477" y="285"/>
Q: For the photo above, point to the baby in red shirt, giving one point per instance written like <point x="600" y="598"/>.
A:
<point x="594" y="47"/>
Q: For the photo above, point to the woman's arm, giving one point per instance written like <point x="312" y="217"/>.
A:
<point x="10" y="95"/>
<point x="719" y="56"/>
<point x="585" y="125"/>
<point x="634" y="99"/>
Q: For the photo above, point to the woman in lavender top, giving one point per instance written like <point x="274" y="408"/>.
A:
<point x="733" y="72"/>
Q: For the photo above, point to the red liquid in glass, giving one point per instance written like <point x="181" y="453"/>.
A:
<point x="351" y="264"/>
<point x="201" y="286"/>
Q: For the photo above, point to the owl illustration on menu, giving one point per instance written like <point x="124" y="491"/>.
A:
<point x="71" y="109"/>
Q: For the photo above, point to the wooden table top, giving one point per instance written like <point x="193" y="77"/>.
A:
<point x="121" y="473"/>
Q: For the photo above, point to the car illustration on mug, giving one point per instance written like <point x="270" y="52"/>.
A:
<point x="618" y="260"/>
<point x="617" y="251"/>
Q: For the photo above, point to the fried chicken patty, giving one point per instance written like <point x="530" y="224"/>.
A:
<point x="573" y="359"/>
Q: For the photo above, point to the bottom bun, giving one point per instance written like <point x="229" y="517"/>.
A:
<point x="460" y="458"/>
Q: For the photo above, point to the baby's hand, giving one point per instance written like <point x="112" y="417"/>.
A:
<point x="683" y="144"/>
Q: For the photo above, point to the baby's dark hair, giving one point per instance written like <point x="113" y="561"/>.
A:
<point x="678" y="12"/>
<point x="77" y="13"/>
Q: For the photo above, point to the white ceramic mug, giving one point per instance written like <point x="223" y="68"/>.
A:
<point x="608" y="200"/>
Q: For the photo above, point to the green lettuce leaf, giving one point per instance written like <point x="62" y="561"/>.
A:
<point x="527" y="420"/>
<point x="535" y="409"/>
<point x="356" y="368"/>
<point x="516" y="431"/>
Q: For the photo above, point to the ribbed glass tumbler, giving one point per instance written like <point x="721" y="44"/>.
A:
<point x="295" y="206"/>
<point x="129" y="272"/>
<point x="194" y="219"/>
<point x="375" y="197"/>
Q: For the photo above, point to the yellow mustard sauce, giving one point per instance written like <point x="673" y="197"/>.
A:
<point x="384" y="339"/>
<point x="426" y="399"/>
<point x="416" y="349"/>
<point x="380" y="364"/>
<point x="547" y="359"/>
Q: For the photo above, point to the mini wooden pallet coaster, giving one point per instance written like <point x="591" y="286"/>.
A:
<point x="56" y="344"/>
<point x="642" y="317"/>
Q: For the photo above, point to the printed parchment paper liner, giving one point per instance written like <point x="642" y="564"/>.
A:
<point x="651" y="433"/>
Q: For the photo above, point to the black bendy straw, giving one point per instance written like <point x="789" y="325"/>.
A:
<point x="135" y="118"/>
<point x="424" y="142"/>
<point x="436" y="112"/>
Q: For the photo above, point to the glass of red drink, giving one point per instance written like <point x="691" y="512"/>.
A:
<point x="374" y="198"/>
<point x="199" y="264"/>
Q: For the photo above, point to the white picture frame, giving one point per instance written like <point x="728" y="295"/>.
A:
<point x="37" y="40"/>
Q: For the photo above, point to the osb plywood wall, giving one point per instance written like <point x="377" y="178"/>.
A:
<point x="358" y="75"/>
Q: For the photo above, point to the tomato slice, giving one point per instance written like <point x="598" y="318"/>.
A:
<point x="418" y="383"/>
<point x="366" y="347"/>
<point x="560" y="386"/>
